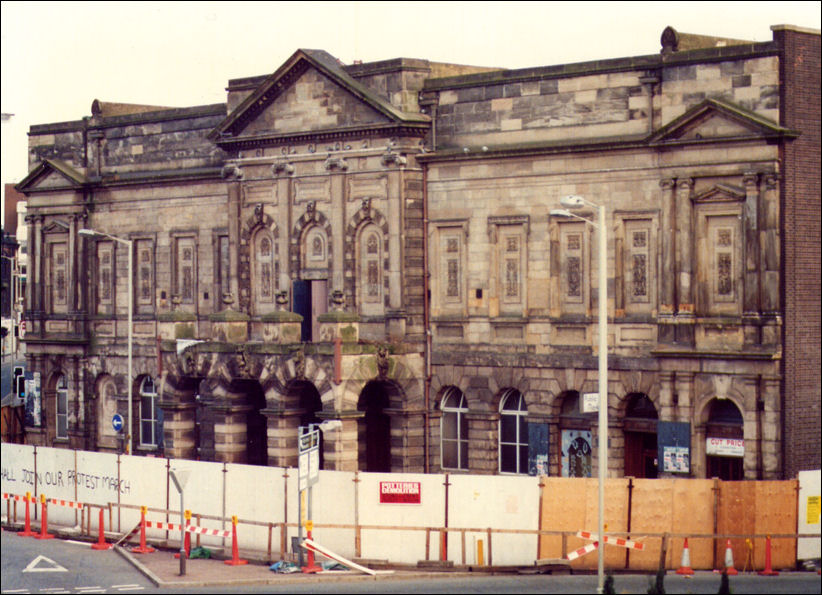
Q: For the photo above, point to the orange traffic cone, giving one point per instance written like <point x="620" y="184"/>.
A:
<point x="768" y="570"/>
<point x="27" y="532"/>
<point x="44" y="525"/>
<point x="101" y="542"/>
<point x="142" y="548"/>
<point x="729" y="559"/>
<point x="311" y="567"/>
<point x="235" y="550"/>
<point x="685" y="567"/>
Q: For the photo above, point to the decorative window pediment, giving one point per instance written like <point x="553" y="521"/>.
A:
<point x="716" y="119"/>
<point x="719" y="194"/>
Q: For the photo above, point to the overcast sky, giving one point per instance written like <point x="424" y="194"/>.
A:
<point x="58" y="57"/>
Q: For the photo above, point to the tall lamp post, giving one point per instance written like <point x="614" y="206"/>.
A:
<point x="128" y="243"/>
<point x="576" y="202"/>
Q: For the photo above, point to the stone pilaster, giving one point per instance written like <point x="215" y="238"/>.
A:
<point x="483" y="428"/>
<point x="231" y="433"/>
<point x="685" y="260"/>
<point x="179" y="422"/>
<point x="770" y="245"/>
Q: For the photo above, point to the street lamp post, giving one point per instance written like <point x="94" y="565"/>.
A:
<point x="576" y="202"/>
<point x="128" y="243"/>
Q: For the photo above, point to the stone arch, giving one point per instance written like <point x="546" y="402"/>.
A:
<point x="254" y="223"/>
<point x="311" y="218"/>
<point x="359" y="220"/>
<point x="409" y="388"/>
<point x="628" y="383"/>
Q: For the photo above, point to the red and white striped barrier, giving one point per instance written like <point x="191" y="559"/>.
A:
<point x="14" y="497"/>
<point x="204" y="531"/>
<point x="66" y="503"/>
<point x="627" y="543"/>
<point x="587" y="549"/>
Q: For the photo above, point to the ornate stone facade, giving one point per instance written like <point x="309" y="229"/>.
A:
<point x="375" y="244"/>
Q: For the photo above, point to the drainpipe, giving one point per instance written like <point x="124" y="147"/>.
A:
<point x="426" y="315"/>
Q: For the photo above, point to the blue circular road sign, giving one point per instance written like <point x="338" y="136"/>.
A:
<point x="117" y="422"/>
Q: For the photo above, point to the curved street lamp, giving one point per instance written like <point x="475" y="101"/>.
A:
<point x="576" y="202"/>
<point x="91" y="233"/>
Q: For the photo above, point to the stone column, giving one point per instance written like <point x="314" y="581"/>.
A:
<point x="36" y="268"/>
<point x="668" y="224"/>
<point x="750" y="227"/>
<point x="179" y="421"/>
<point x="71" y="271"/>
<point x="340" y="445"/>
<point x="769" y="243"/>
<point x="684" y="388"/>
<point x="483" y="438"/>
<point x="684" y="230"/>
<point x="233" y="174"/>
<point x="282" y="426"/>
<point x="283" y="173"/>
<point x="336" y="166"/>
<point x="667" y="406"/>
<point x="231" y="433"/>
<point x="395" y="223"/>
<point x="771" y="427"/>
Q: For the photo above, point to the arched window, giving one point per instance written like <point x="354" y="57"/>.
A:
<point x="265" y="275"/>
<point x="150" y="428"/>
<point x="371" y="271"/>
<point x="315" y="249"/>
<point x="513" y="433"/>
<point x="454" y="429"/>
<point x="61" y="414"/>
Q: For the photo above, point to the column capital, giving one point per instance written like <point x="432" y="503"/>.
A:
<point x="667" y="183"/>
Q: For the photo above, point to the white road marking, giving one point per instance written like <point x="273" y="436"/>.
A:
<point x="55" y="567"/>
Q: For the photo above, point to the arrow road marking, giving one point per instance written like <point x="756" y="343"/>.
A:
<point x="55" y="567"/>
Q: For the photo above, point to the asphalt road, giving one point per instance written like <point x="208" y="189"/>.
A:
<point x="56" y="566"/>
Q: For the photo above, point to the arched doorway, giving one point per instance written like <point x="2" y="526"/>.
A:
<point x="374" y="428"/>
<point x="576" y="439"/>
<point x="640" y="437"/>
<point x="725" y="445"/>
<point x="256" y="422"/>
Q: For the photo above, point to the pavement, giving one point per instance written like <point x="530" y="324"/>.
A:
<point x="164" y="570"/>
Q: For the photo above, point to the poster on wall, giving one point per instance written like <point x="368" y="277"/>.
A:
<point x="576" y="453"/>
<point x="537" y="449"/>
<point x="33" y="399"/>
<point x="674" y="443"/>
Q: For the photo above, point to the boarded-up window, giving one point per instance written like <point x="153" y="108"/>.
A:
<point x="145" y="272"/>
<point x="105" y="277"/>
<point x="185" y="277"/>
<point x="58" y="269"/>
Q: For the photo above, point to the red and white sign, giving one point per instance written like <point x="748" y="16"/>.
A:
<point x="725" y="447"/>
<point x="400" y="492"/>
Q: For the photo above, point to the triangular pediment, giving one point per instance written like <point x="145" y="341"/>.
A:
<point x="309" y="94"/>
<point x="56" y="226"/>
<point x="52" y="174"/>
<point x="717" y="120"/>
<point x="721" y="193"/>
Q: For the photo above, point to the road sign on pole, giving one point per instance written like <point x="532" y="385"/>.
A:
<point x="117" y="422"/>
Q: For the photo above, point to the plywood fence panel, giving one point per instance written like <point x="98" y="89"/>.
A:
<point x="776" y="513"/>
<point x="692" y="514"/>
<point x="652" y="512"/>
<point x="736" y="514"/>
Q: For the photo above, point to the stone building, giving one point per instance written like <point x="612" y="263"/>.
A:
<point x="374" y="244"/>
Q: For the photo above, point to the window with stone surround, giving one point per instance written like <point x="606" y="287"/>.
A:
<point x="449" y="278"/>
<point x="315" y="249"/>
<point x="58" y="276"/>
<point x="721" y="259"/>
<point x="61" y="408"/>
<point x="454" y="429"/>
<point x="144" y="282"/>
<point x="574" y="271"/>
<point x="513" y="433"/>
<point x="638" y="266"/>
<point x="724" y="269"/>
<point x="508" y="236"/>
<point x="222" y="270"/>
<point x="150" y="429"/>
<point x="185" y="270"/>
<point x="264" y="269"/>
<point x="370" y="279"/>
<point x="105" y="277"/>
